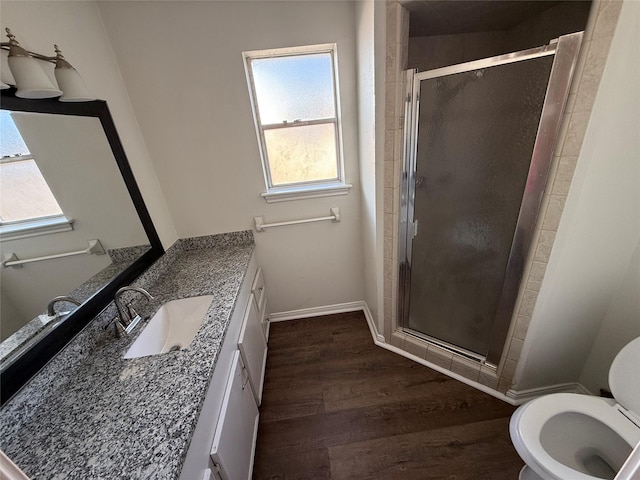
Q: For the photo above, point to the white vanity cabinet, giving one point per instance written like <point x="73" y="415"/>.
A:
<point x="235" y="437"/>
<point x="223" y="444"/>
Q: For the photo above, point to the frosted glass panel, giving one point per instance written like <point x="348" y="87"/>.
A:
<point x="294" y="88"/>
<point x="475" y="140"/>
<point x="302" y="154"/>
<point x="24" y="192"/>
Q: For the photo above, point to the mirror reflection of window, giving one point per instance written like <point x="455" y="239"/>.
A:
<point x="25" y="195"/>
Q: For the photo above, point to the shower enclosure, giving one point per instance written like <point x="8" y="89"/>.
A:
<point x="479" y="139"/>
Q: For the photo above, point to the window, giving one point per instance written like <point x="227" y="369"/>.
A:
<point x="294" y="96"/>
<point x="27" y="205"/>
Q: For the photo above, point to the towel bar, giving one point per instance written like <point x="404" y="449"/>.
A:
<point x="95" y="248"/>
<point x="261" y="226"/>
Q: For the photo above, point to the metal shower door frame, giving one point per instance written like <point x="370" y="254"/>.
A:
<point x="566" y="54"/>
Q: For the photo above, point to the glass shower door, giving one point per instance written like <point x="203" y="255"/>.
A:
<point x="474" y="138"/>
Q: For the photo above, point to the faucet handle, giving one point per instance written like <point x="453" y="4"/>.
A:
<point x="123" y="329"/>
<point x="120" y="329"/>
<point x="132" y="311"/>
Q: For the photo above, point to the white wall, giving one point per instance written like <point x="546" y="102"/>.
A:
<point x="77" y="28"/>
<point x="620" y="324"/>
<point x="365" y="28"/>
<point x="182" y="65"/>
<point x="597" y="235"/>
<point x="11" y="317"/>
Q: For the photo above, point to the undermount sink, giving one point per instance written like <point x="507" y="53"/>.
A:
<point x="173" y="327"/>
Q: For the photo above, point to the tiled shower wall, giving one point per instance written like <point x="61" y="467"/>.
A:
<point x="397" y="48"/>
<point x="594" y="51"/>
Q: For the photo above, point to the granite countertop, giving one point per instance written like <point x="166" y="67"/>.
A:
<point x="90" y="414"/>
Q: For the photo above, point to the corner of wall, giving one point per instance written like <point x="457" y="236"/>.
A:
<point x="134" y="143"/>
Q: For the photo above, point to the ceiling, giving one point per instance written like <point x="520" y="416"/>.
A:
<point x="442" y="17"/>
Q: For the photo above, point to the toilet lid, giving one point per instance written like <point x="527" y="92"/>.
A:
<point x="624" y="377"/>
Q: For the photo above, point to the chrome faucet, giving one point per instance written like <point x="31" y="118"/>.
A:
<point x="60" y="298"/>
<point x="127" y="318"/>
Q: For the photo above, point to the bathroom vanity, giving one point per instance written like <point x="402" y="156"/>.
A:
<point x="188" y="414"/>
<point x="223" y="444"/>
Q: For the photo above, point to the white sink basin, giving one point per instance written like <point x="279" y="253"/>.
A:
<point x="172" y="327"/>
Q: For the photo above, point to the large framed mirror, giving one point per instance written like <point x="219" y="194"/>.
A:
<point x="96" y="238"/>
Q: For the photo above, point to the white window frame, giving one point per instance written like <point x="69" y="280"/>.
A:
<point x="35" y="226"/>
<point x="300" y="190"/>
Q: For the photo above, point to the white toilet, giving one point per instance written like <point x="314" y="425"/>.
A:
<point x="567" y="436"/>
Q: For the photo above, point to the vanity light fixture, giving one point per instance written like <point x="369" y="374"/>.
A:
<point x="70" y="81"/>
<point x="32" y="81"/>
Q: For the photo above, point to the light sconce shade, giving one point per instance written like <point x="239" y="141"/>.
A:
<point x="31" y="79"/>
<point x="70" y="81"/>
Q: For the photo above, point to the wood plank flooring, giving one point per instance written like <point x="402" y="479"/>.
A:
<point x="336" y="406"/>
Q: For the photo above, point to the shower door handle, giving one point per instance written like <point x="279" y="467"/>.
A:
<point x="414" y="226"/>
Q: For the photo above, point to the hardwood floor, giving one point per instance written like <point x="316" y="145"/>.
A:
<point x="336" y="406"/>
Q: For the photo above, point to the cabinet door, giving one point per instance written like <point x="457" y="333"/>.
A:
<point x="263" y="312"/>
<point x="260" y="297"/>
<point x="208" y="475"/>
<point x="258" y="288"/>
<point x="253" y="348"/>
<point x="235" y="436"/>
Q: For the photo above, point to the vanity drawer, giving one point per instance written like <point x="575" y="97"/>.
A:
<point x="234" y="440"/>
<point x="253" y="348"/>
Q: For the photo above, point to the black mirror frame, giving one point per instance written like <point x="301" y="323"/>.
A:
<point x="19" y="371"/>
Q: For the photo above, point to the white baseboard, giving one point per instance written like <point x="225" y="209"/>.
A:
<point x="521" y="396"/>
<point x="377" y="337"/>
<point x="318" y="311"/>
<point x="330" y="310"/>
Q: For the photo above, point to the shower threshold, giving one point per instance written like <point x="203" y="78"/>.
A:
<point x="456" y="350"/>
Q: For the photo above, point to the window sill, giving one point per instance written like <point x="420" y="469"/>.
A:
<point x="35" y="228"/>
<point x="300" y="193"/>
